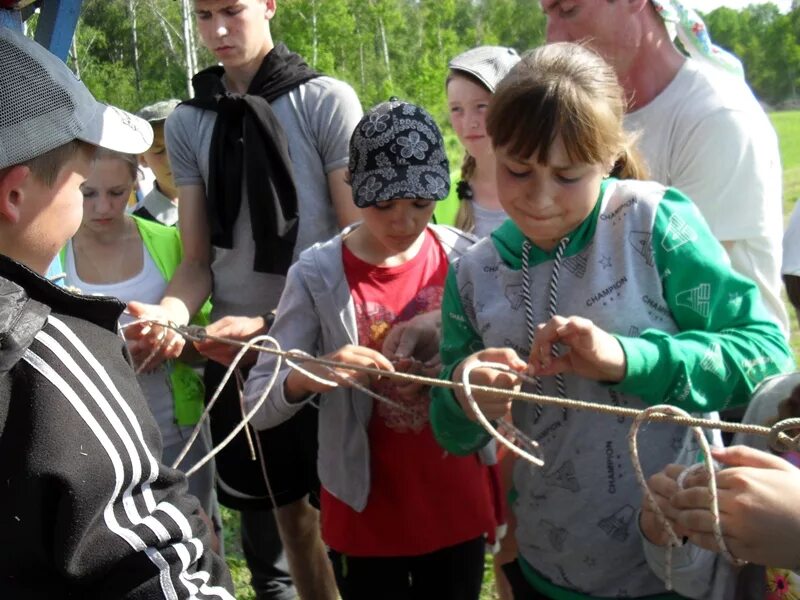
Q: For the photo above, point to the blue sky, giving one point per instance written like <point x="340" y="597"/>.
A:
<point x="708" y="5"/>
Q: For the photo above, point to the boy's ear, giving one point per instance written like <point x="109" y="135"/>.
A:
<point x="12" y="192"/>
<point x="143" y="161"/>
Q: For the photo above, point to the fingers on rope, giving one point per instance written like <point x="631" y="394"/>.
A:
<point x="707" y="464"/>
<point x="505" y="433"/>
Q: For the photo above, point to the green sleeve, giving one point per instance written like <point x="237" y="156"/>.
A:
<point x="727" y="341"/>
<point x="454" y="431"/>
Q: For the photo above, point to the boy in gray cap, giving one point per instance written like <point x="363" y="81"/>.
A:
<point x="88" y="511"/>
<point x="161" y="203"/>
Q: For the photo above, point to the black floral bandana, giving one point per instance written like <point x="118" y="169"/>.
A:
<point x="397" y="152"/>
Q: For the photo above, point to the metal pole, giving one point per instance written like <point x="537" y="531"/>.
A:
<point x="56" y="26"/>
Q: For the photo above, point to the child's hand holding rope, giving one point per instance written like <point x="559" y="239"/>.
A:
<point x="663" y="486"/>
<point x="300" y="385"/>
<point x="232" y="328"/>
<point x="590" y="352"/>
<point x="150" y="343"/>
<point x="413" y="347"/>
<point x="417" y="338"/>
<point x="493" y="406"/>
<point x="758" y="507"/>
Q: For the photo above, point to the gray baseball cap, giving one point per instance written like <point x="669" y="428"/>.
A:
<point x="488" y="64"/>
<point x="158" y="112"/>
<point x="43" y="105"/>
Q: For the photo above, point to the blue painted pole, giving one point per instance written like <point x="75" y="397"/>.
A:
<point x="57" y="22"/>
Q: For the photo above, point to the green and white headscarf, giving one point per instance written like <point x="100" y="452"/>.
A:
<point x="694" y="36"/>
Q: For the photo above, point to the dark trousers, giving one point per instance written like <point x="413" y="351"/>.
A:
<point x="453" y="573"/>
<point x="290" y="459"/>
<point x="265" y="557"/>
<point x="520" y="587"/>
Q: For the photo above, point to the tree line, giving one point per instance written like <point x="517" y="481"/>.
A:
<point x="134" y="52"/>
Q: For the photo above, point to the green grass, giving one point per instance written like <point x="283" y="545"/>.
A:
<point x="787" y="124"/>
<point x="235" y="557"/>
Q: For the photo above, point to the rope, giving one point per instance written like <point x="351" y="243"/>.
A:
<point x="522" y="445"/>
<point x="247" y="416"/>
<point x="245" y="348"/>
<point x="195" y="333"/>
<point x="162" y="338"/>
<point x="531" y="446"/>
<point x="673" y="541"/>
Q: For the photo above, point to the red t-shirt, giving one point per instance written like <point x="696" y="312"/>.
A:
<point x="421" y="498"/>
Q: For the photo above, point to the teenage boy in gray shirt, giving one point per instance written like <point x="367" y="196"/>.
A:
<point x="288" y="154"/>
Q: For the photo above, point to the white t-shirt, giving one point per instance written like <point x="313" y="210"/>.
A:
<point x="486" y="220"/>
<point x="707" y="136"/>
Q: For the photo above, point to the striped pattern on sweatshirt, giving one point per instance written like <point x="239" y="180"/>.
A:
<point x="140" y="543"/>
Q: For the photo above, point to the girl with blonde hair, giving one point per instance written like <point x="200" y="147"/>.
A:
<point x="472" y="205"/>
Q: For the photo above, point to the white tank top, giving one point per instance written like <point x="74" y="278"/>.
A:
<point x="146" y="286"/>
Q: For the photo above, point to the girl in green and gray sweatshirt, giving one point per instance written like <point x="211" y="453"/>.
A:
<point x="608" y="289"/>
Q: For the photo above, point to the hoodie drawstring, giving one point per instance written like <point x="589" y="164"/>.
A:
<point x="552" y="305"/>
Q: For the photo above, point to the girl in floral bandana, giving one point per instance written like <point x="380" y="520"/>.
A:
<point x="403" y="519"/>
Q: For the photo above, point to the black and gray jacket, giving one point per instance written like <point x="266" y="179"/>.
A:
<point x="86" y="508"/>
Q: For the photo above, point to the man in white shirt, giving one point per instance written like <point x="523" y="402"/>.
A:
<point x="702" y="130"/>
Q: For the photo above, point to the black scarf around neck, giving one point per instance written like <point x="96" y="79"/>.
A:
<point x="248" y="138"/>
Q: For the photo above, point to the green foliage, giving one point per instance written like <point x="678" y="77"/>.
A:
<point x="767" y="42"/>
<point x="382" y="48"/>
<point x="385" y="47"/>
<point x="787" y="124"/>
<point x="104" y="51"/>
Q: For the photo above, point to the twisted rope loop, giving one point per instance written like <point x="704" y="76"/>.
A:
<point x="708" y="463"/>
<point x="505" y="433"/>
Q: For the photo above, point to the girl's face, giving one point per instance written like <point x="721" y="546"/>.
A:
<point x="548" y="201"/>
<point x="394" y="225"/>
<point x="468" y="103"/>
<point x="105" y="194"/>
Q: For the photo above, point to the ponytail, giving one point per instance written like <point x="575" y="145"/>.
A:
<point x="630" y="165"/>
<point x="465" y="217"/>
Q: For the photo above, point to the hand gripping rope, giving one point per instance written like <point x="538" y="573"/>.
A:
<point x="712" y="486"/>
<point x="505" y="433"/>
